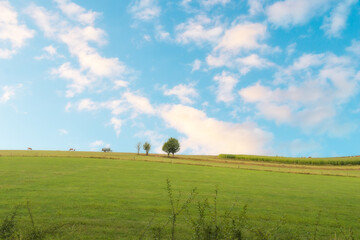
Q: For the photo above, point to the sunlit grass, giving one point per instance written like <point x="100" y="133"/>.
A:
<point x="114" y="195"/>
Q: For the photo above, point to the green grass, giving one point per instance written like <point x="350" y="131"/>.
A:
<point x="102" y="198"/>
<point x="336" y="161"/>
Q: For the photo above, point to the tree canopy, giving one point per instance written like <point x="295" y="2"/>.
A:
<point x="171" y="146"/>
<point x="147" y="147"/>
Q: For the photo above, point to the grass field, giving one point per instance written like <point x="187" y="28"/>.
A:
<point x="114" y="195"/>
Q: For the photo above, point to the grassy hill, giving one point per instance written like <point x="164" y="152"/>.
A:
<point x="115" y="195"/>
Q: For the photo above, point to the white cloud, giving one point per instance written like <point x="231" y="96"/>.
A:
<point x="145" y="10"/>
<point x="243" y="64"/>
<point x="255" y="7"/>
<point x="185" y="3"/>
<point x="50" y="52"/>
<point x="220" y="60"/>
<point x="120" y="84"/>
<point x="94" y="68"/>
<point x="308" y="60"/>
<point x="78" y="80"/>
<point x="185" y="93"/>
<point x="226" y="83"/>
<point x="76" y="12"/>
<point x="87" y="104"/>
<point x="202" y="133"/>
<point x="147" y="37"/>
<point x="196" y="65"/>
<point x="354" y="48"/>
<point x="138" y="103"/>
<point x="199" y="30"/>
<point x="11" y="31"/>
<point x="290" y="49"/>
<point x="244" y="36"/>
<point x="7" y="53"/>
<point x="117" y="106"/>
<point x="236" y="41"/>
<point x="8" y="92"/>
<point x="63" y="131"/>
<point x="311" y="99"/>
<point x="77" y="41"/>
<point x="252" y="61"/>
<point x="161" y="34"/>
<point x="47" y="21"/>
<point x="294" y="12"/>
<point x="334" y="24"/>
<point x="116" y="123"/>
<point x="129" y="101"/>
<point x="210" y="3"/>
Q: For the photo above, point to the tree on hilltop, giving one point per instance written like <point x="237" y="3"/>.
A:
<point x="171" y="146"/>
<point x="147" y="147"/>
<point x="138" y="147"/>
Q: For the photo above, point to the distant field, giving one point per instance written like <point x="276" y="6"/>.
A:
<point x="115" y="195"/>
<point x="336" y="161"/>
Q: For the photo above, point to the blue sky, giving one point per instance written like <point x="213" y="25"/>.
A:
<point x="222" y="76"/>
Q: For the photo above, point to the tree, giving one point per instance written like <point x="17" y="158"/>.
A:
<point x="171" y="146"/>
<point x="166" y="148"/>
<point x="138" y="147"/>
<point x="147" y="147"/>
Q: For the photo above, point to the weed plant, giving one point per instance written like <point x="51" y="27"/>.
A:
<point x="11" y="229"/>
<point x="209" y="224"/>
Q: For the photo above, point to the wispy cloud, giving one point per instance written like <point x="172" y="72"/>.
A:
<point x="77" y="36"/>
<point x="328" y="81"/>
<point x="354" y="48"/>
<point x="293" y="12"/>
<point x="210" y="3"/>
<point x="145" y="10"/>
<point x="185" y="93"/>
<point x="226" y="83"/>
<point x="116" y="123"/>
<point x="196" y="65"/>
<point x="334" y="24"/>
<point x="76" y="12"/>
<point x="11" y="31"/>
<point x="9" y="92"/>
<point x="199" y="30"/>
<point x="50" y="52"/>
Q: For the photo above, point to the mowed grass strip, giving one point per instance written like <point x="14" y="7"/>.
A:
<point x="115" y="199"/>
<point x="336" y="161"/>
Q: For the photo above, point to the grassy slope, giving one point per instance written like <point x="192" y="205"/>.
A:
<point x="109" y="198"/>
<point x="351" y="171"/>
